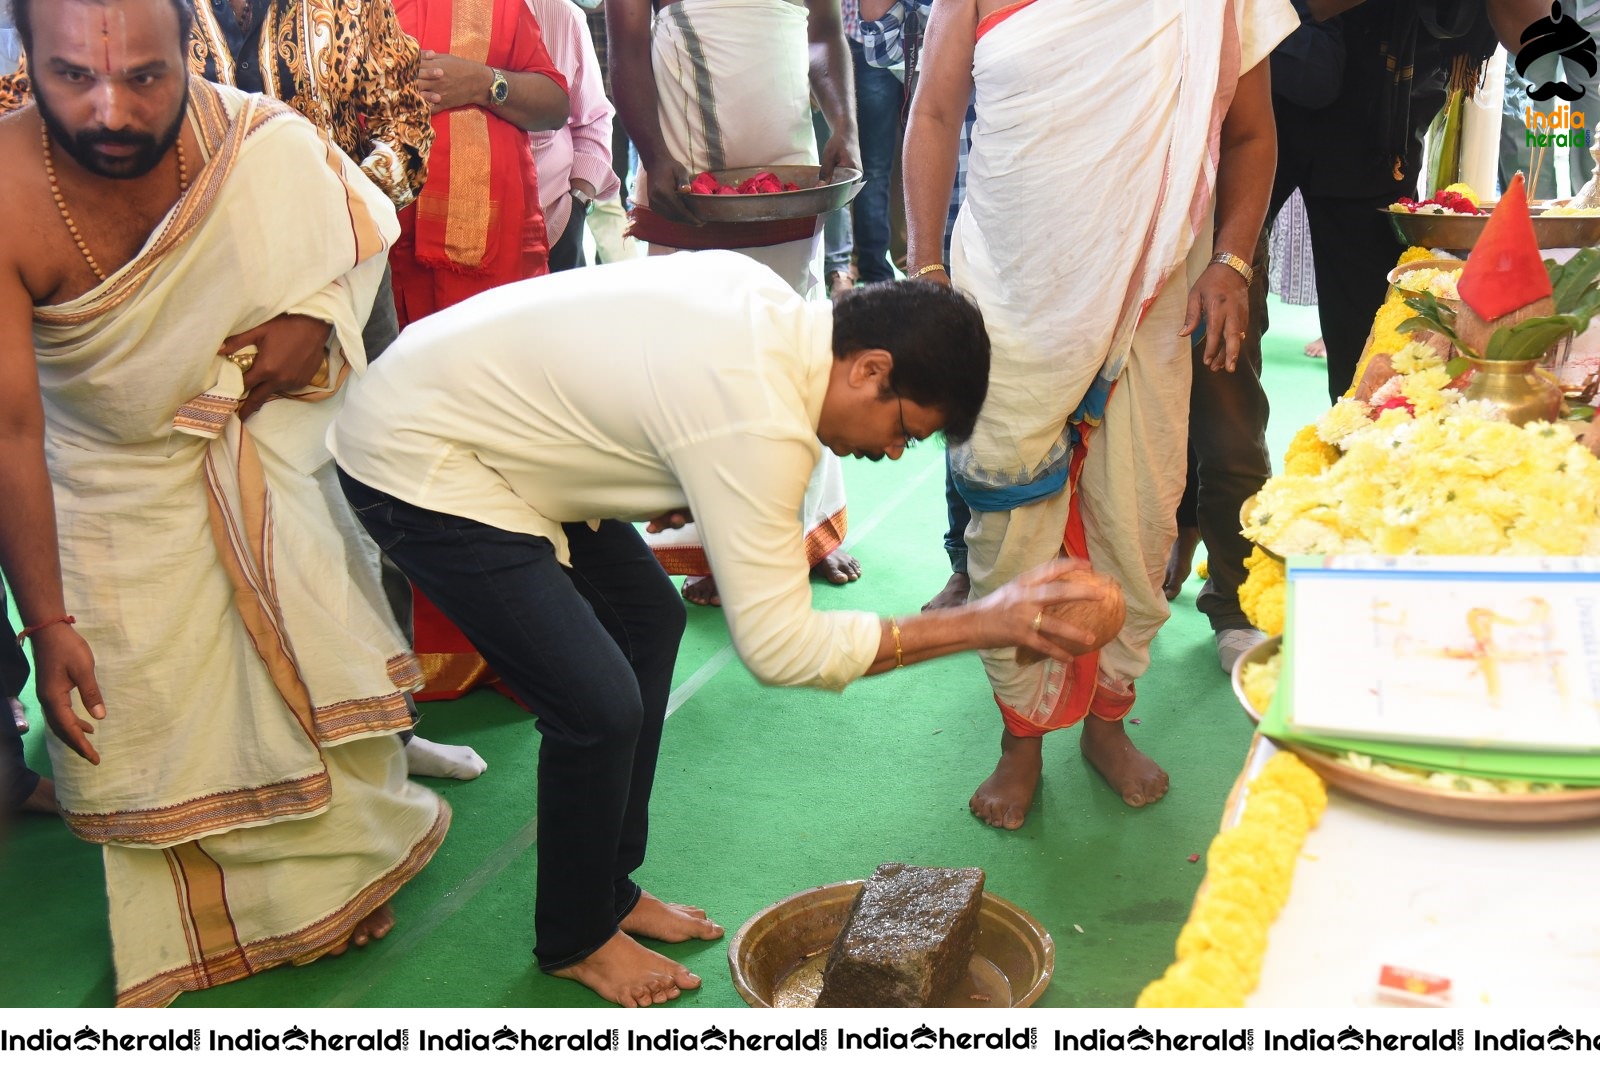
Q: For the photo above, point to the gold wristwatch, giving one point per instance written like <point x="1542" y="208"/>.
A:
<point x="499" y="88"/>
<point x="1228" y="259"/>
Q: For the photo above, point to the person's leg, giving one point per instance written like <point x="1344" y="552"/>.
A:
<point x="524" y="612"/>
<point x="431" y="759"/>
<point x="1354" y="249"/>
<point x="957" y="587"/>
<point x="837" y="244"/>
<point x="1228" y="436"/>
<point x="21" y="788"/>
<point x="1132" y="481"/>
<point x="879" y="96"/>
<point x="1181" y="562"/>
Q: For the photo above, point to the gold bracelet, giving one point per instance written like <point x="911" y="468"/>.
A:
<point x="899" y="653"/>
<point x="929" y="269"/>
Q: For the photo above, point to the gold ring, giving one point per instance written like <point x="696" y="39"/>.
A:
<point x="242" y="360"/>
<point x="1038" y="619"/>
<point x="1243" y="334"/>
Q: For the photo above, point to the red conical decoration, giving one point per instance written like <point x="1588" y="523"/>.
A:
<point x="1504" y="271"/>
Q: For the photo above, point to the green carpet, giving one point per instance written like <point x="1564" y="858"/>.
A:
<point x="765" y="792"/>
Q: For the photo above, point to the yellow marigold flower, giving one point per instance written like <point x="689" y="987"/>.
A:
<point x="1262" y="593"/>
<point x="1279" y="812"/>
<point x="1245" y="894"/>
<point x="1226" y="928"/>
<point x="1417" y="252"/>
<point x="1187" y="985"/>
<point x="1260" y="682"/>
<point x="1203" y="569"/>
<point x="1166" y="994"/>
<point x="1285" y="771"/>
<point x="1308" y="454"/>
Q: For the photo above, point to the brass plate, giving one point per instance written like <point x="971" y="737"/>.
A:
<point x="810" y="199"/>
<point x="1259" y="653"/>
<point x="1460" y="232"/>
<point x="1568" y="806"/>
<point x="776" y="958"/>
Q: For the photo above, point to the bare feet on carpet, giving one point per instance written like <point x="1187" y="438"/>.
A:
<point x="376" y="924"/>
<point x="837" y="568"/>
<point x="653" y="918"/>
<point x="1317" y="349"/>
<point x="1180" y="562"/>
<point x="436" y="760"/>
<point x="1135" y="776"/>
<point x="43" y="799"/>
<point x="1003" y="799"/>
<point x="702" y="591"/>
<point x="624" y="972"/>
<point x="955" y="593"/>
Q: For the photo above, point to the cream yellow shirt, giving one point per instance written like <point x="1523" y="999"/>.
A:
<point x="623" y="392"/>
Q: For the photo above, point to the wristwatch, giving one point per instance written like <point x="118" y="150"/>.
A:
<point x="499" y="88"/>
<point x="583" y="199"/>
<point x="1228" y="259"/>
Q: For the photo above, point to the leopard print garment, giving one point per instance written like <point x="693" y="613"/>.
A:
<point x="344" y="64"/>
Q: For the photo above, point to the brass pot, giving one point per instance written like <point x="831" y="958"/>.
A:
<point x="1517" y="387"/>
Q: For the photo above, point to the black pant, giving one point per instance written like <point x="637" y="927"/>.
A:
<point x="17" y="780"/>
<point x="1228" y="458"/>
<point x="590" y="649"/>
<point x="567" y="253"/>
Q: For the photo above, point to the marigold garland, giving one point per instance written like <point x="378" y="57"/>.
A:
<point x="1249" y="870"/>
<point x="1262" y="593"/>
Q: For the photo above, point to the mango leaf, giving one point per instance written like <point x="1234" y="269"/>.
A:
<point x="1529" y="339"/>
<point x="1456" y="367"/>
<point x="1573" y="280"/>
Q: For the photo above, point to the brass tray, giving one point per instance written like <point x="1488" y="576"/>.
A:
<point x="1259" y="653"/>
<point x="1460" y="232"/>
<point x="777" y="957"/>
<point x="1568" y="806"/>
<point x="810" y="199"/>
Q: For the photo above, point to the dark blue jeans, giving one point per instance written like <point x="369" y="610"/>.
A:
<point x="879" y="96"/>
<point x="590" y="649"/>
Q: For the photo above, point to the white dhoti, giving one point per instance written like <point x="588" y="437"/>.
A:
<point x="1083" y="296"/>
<point x="733" y="82"/>
<point x="251" y="799"/>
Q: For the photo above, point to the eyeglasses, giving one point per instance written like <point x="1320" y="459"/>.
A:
<point x="908" y="441"/>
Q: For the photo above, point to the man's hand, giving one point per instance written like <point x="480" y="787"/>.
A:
<point x="673" y="520"/>
<point x="64" y="663"/>
<point x="449" y="82"/>
<point x="1046" y="595"/>
<point x="841" y="150"/>
<point x="664" y="191"/>
<point x="1220" y="293"/>
<point x="291" y="350"/>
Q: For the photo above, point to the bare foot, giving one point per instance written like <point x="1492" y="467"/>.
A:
<point x="43" y="799"/>
<point x="1180" y="562"/>
<point x="624" y="972"/>
<point x="1135" y="776"/>
<point x="1003" y="799"/>
<point x="373" y="926"/>
<point x="955" y="593"/>
<point x="702" y="591"/>
<point x="653" y="918"/>
<point x="837" y="568"/>
<point x="1317" y="349"/>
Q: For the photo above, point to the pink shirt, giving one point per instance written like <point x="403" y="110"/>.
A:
<point x="582" y="148"/>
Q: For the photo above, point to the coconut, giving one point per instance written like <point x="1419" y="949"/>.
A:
<point x="1475" y="331"/>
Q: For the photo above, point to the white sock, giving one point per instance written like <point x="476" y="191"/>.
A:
<point x="439" y="761"/>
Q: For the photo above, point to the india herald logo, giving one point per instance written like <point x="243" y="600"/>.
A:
<point x="1559" y="34"/>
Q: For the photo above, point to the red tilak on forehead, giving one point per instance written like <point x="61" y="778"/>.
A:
<point x="105" y="37"/>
